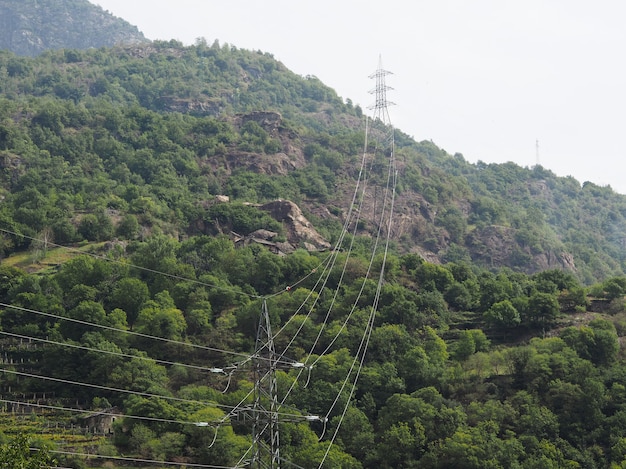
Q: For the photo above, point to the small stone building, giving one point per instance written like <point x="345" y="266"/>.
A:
<point x="101" y="422"/>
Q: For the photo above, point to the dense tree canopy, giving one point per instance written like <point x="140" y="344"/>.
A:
<point x="126" y="279"/>
<point x="437" y="386"/>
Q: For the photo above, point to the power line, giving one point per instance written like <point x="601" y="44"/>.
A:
<point x="110" y="352"/>
<point x="265" y="431"/>
<point x="354" y="211"/>
<point x="84" y="411"/>
<point x="264" y="357"/>
<point x="165" y="274"/>
<point x="134" y="266"/>
<point x="301" y="280"/>
<point x="148" y="461"/>
<point x="124" y="331"/>
<point x="144" y="394"/>
<point x="381" y="111"/>
<point x="246" y="356"/>
<point x="267" y="439"/>
<point x="109" y="388"/>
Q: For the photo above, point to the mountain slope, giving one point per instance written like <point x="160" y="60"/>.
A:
<point x="29" y="27"/>
<point x="178" y="125"/>
<point x="162" y="166"/>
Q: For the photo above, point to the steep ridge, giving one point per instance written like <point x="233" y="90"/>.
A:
<point x="29" y="27"/>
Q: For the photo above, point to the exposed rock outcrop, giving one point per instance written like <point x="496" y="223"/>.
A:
<point x="496" y="246"/>
<point x="206" y="107"/>
<point x="300" y="231"/>
<point x="270" y="121"/>
<point x="554" y="260"/>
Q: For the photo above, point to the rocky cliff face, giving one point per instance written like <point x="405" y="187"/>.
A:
<point x="29" y="27"/>
<point x="496" y="246"/>
<point x="416" y="222"/>
<point x="300" y="231"/>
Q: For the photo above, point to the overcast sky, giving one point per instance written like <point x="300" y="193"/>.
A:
<point x="485" y="78"/>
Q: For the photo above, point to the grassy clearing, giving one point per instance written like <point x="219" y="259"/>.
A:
<point x="33" y="262"/>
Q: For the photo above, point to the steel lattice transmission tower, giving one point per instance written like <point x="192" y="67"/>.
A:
<point x="381" y="105"/>
<point x="265" y="411"/>
<point x="265" y="434"/>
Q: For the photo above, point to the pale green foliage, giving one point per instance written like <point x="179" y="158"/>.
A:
<point x="161" y="318"/>
<point x="17" y="455"/>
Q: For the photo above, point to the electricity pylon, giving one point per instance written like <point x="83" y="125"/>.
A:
<point x="265" y="411"/>
<point x="265" y="434"/>
<point x="381" y="105"/>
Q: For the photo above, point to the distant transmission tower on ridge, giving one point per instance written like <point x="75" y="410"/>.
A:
<point x="537" y="160"/>
<point x="381" y="105"/>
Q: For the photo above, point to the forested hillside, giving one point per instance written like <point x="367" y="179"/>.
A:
<point x="139" y="251"/>
<point x="152" y="119"/>
<point x="30" y="27"/>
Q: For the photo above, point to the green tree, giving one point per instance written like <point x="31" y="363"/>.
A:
<point x="454" y="222"/>
<point x="401" y="445"/>
<point x="161" y="318"/>
<point x="597" y="342"/>
<point x="459" y="297"/>
<point x="128" y="227"/>
<point x="464" y="346"/>
<point x="502" y="315"/>
<point x="17" y="455"/>
<point x="139" y="374"/>
<point x="84" y="270"/>
<point x="158" y="255"/>
<point x="433" y="277"/>
<point x="419" y="369"/>
<point x="555" y="280"/>
<point x="572" y="298"/>
<point x="129" y="294"/>
<point x="87" y="312"/>
<point x="614" y="287"/>
<point x="357" y="434"/>
<point x="475" y="448"/>
<point x="265" y="273"/>
<point x="96" y="227"/>
<point x="543" y="309"/>
<point x="219" y="445"/>
<point x="529" y="417"/>
<point x="493" y="289"/>
<point x="153" y="408"/>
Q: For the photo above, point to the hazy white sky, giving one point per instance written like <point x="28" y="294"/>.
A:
<point x="486" y="78"/>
